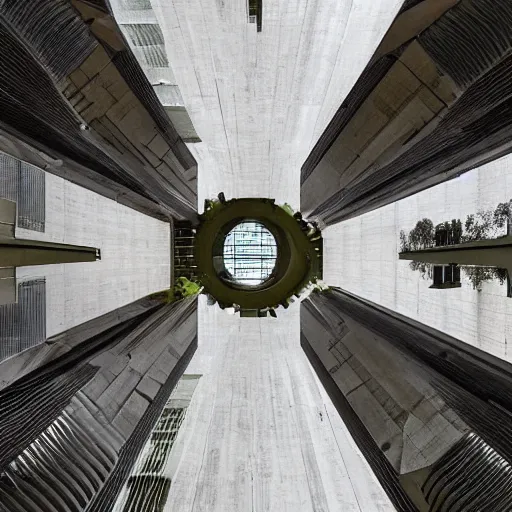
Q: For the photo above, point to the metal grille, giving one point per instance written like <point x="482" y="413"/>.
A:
<point x="250" y="253"/>
<point x="25" y="185"/>
<point x="23" y="325"/>
<point x="148" y="44"/>
<point x="148" y="487"/>
<point x="145" y="34"/>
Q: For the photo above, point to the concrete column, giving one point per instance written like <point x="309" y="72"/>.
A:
<point x="484" y="253"/>
<point x="412" y="397"/>
<point x="101" y="125"/>
<point x="100" y="401"/>
<point x="410" y="121"/>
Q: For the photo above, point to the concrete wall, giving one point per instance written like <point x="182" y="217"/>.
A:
<point x="361" y="256"/>
<point x="259" y="101"/>
<point x="260" y="434"/>
<point x="135" y="255"/>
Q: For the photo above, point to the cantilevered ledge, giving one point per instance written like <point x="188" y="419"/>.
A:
<point x="21" y="253"/>
<point x="485" y="253"/>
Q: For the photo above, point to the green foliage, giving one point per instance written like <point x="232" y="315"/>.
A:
<point x="480" y="226"/>
<point x="288" y="209"/>
<point x="484" y="225"/>
<point x="183" y="288"/>
<point x="422" y="235"/>
<point x="502" y="214"/>
<point x="404" y="241"/>
<point x="478" y="275"/>
<point x="448" y="233"/>
<point x="425" y="269"/>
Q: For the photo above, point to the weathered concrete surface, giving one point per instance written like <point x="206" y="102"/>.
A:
<point x="361" y="256"/>
<point x="254" y="438"/>
<point x="260" y="434"/>
<point x="417" y="392"/>
<point x="259" y="101"/>
<point x="430" y="105"/>
<point x="135" y="255"/>
<point x="99" y="115"/>
<point x="115" y="408"/>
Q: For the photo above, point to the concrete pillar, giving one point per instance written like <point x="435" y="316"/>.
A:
<point x="484" y="253"/>
<point x="100" y="124"/>
<point x="92" y="410"/>
<point x="412" y="397"/>
<point x="410" y="121"/>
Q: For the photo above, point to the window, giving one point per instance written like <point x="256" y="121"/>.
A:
<point x="446" y="276"/>
<point x="25" y="185"/>
<point x="23" y="324"/>
<point x="250" y="253"/>
<point x="255" y="12"/>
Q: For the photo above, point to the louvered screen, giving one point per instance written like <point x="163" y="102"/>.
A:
<point x="23" y="325"/>
<point x="25" y="185"/>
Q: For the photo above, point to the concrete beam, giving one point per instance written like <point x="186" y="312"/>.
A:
<point x="23" y="253"/>
<point x="484" y="253"/>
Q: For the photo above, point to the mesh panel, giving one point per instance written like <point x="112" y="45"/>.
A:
<point x="148" y="487"/>
<point x="145" y="34"/>
<point x="25" y="185"/>
<point x="250" y="253"/>
<point x="23" y="325"/>
<point x="136" y="5"/>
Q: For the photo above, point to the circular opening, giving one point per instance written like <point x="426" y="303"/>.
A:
<point x="250" y="253"/>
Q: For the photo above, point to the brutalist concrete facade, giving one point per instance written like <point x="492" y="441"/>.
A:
<point x="431" y="104"/>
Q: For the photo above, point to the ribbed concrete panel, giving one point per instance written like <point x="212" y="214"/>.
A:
<point x="92" y="411"/>
<point x="97" y="112"/>
<point x="440" y="109"/>
<point x="418" y="393"/>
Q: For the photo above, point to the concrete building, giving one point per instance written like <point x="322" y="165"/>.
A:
<point x="119" y="120"/>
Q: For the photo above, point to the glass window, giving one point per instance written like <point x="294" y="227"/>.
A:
<point x="250" y="253"/>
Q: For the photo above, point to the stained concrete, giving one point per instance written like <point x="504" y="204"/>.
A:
<point x="259" y="101"/>
<point x="260" y="434"/>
